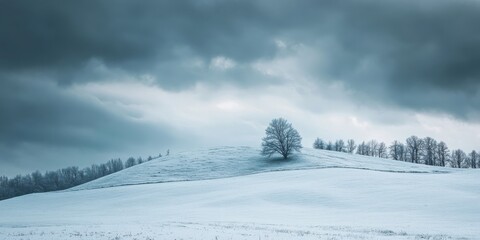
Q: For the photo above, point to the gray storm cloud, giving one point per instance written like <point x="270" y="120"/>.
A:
<point x="400" y="49"/>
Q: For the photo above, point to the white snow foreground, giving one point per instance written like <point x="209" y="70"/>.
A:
<point x="334" y="196"/>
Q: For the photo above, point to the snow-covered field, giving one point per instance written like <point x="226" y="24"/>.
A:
<point x="233" y="193"/>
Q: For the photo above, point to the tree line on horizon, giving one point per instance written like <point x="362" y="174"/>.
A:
<point x="415" y="150"/>
<point x="283" y="139"/>
<point x="63" y="178"/>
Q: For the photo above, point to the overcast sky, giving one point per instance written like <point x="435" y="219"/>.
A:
<point x="85" y="81"/>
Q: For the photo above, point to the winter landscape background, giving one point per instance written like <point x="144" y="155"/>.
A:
<point x="226" y="119"/>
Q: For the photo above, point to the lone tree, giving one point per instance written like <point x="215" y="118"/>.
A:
<point x="281" y="138"/>
<point x="319" y="144"/>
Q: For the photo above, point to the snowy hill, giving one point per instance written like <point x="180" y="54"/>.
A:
<point x="323" y="195"/>
<point x="224" y="162"/>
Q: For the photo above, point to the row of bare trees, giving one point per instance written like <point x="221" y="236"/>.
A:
<point x="416" y="150"/>
<point x="62" y="178"/>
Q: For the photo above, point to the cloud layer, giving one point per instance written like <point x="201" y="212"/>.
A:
<point x="415" y="54"/>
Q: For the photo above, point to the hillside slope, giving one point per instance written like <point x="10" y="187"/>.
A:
<point x="224" y="162"/>
<point x="339" y="200"/>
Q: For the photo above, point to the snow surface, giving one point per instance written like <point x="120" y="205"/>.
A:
<point x="333" y="196"/>
<point x="224" y="162"/>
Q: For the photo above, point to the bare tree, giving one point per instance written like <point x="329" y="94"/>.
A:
<point x="414" y="146"/>
<point x="473" y="157"/>
<point x="396" y="150"/>
<point x="340" y="145"/>
<point x="329" y="146"/>
<point x="115" y="165"/>
<point x="372" y="148"/>
<point x="130" y="162"/>
<point x="382" y="150"/>
<point x="442" y="153"/>
<point x="430" y="147"/>
<point x="458" y="158"/>
<point x="281" y="138"/>
<point x="362" y="149"/>
<point x="351" y="146"/>
<point x="38" y="181"/>
<point x="319" y="144"/>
